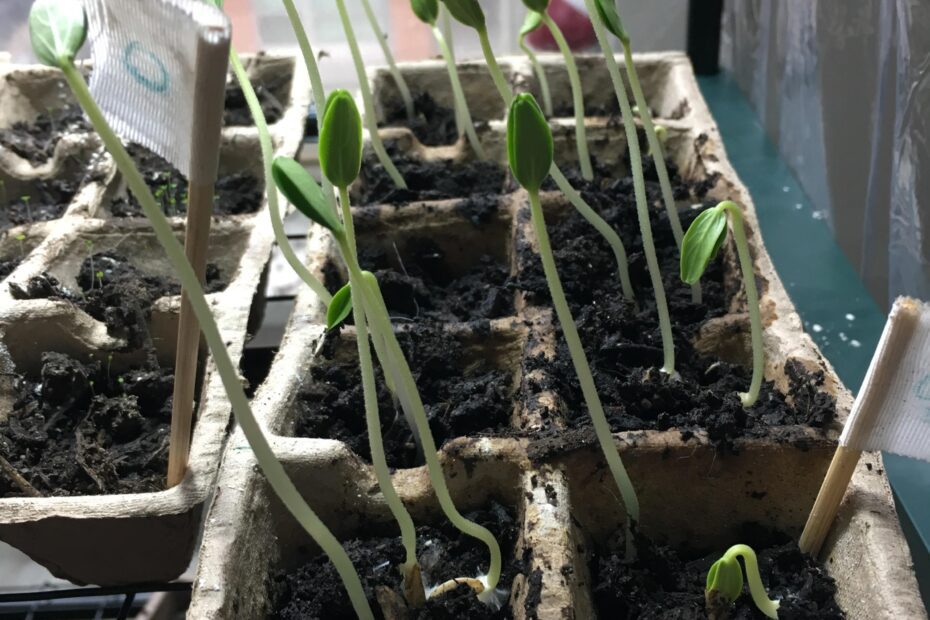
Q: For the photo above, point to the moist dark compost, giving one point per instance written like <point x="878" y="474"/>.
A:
<point x="315" y="591"/>
<point x="662" y="583"/>
<point x="464" y="394"/>
<point x="272" y="92"/>
<point x="426" y="180"/>
<point x="114" y="291"/>
<point x="9" y="265"/>
<point x="433" y="124"/>
<point x="234" y="194"/>
<point x="36" y="141"/>
<point x="46" y="199"/>
<point x="80" y="428"/>
<point x="622" y="340"/>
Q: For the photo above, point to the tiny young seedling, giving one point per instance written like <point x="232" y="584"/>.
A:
<point x="581" y="137"/>
<point x="662" y="135"/>
<point x="469" y="13"/>
<point x="340" y="159"/>
<point x="26" y="200"/>
<point x="21" y="238"/>
<point x="725" y="584"/>
<point x="700" y="245"/>
<point x="598" y="14"/>
<point x="389" y="57"/>
<point x="370" y="120"/>
<point x="529" y="149"/>
<point x="99" y="276"/>
<point x="89" y="244"/>
<point x="58" y="30"/>
<point x="428" y="12"/>
<point x="532" y="22"/>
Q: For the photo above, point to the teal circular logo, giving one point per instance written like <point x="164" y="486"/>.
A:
<point x="146" y="68"/>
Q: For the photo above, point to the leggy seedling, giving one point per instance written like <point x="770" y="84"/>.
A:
<point x="532" y="22"/>
<point x="376" y="144"/>
<point x="725" y="584"/>
<point x="58" y="30"/>
<point x="639" y="187"/>
<point x="340" y="140"/>
<point x="389" y="57"/>
<point x="699" y="246"/>
<point x="529" y="149"/>
<point x="428" y="11"/>
<point x="581" y="137"/>
<point x="469" y="13"/>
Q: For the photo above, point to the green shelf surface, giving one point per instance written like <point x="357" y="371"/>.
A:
<point x="833" y="303"/>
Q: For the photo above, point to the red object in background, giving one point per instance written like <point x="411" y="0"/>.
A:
<point x="572" y="20"/>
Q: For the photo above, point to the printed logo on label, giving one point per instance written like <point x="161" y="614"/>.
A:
<point x="146" y="68"/>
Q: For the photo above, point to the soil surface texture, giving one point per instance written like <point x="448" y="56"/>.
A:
<point x="314" y="591"/>
<point x="426" y="180"/>
<point x="8" y="266"/>
<point x="662" y="583"/>
<point x="272" y="93"/>
<point x="79" y="428"/>
<point x="234" y="194"/>
<point x="622" y="340"/>
<point x="463" y="392"/>
<point x="114" y="291"/>
<point x="36" y="141"/>
<point x="433" y="124"/>
<point x="47" y="199"/>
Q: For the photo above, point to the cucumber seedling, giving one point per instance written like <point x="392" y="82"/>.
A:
<point x="725" y="584"/>
<point x="58" y="30"/>
<point x="532" y="22"/>
<point x="529" y="149"/>
<point x="428" y="12"/>
<point x="389" y="57"/>
<point x="699" y="246"/>
<point x="574" y="79"/>
<point x="469" y="12"/>
<point x="340" y="160"/>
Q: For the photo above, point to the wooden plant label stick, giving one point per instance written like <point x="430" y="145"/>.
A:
<point x="209" y="94"/>
<point x="891" y="412"/>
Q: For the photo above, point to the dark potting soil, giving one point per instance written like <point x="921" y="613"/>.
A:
<point x="80" y="429"/>
<point x="114" y="291"/>
<point x="427" y="180"/>
<point x="433" y="124"/>
<point x="36" y="141"/>
<point x="272" y="96"/>
<point x="9" y="266"/>
<point x="315" y="591"/>
<point x="662" y="583"/>
<point x="623" y="342"/>
<point x="234" y="194"/>
<point x="463" y="392"/>
<point x="47" y="200"/>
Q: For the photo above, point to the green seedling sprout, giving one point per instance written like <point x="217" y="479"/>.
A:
<point x="725" y="584"/>
<point x="340" y="159"/>
<point x="21" y="238"/>
<point x="639" y="183"/>
<point x="389" y="57"/>
<point x="662" y="135"/>
<point x="58" y="30"/>
<point x="607" y="14"/>
<point x="700" y="245"/>
<point x="532" y="22"/>
<point x="469" y="13"/>
<point x="428" y="11"/>
<point x="370" y="120"/>
<point x="529" y="149"/>
<point x="581" y="137"/>
<point x="25" y="200"/>
<point x="89" y="244"/>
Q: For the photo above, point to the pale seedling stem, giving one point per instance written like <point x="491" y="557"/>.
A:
<point x="540" y="76"/>
<point x="264" y="455"/>
<point x="389" y="57"/>
<point x="639" y="189"/>
<point x="462" y="113"/>
<point x="370" y="121"/>
<point x="574" y="197"/>
<point x="581" y="139"/>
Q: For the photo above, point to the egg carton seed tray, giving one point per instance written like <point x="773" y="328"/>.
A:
<point x="136" y="537"/>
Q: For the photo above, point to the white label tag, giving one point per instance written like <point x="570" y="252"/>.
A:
<point x="145" y="59"/>
<point x="892" y="410"/>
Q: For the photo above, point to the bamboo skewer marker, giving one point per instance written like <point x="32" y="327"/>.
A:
<point x="890" y="371"/>
<point x="209" y="94"/>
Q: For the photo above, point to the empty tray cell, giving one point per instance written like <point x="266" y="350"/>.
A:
<point x="239" y="189"/>
<point x="448" y="262"/>
<point x="468" y="379"/>
<point x="271" y="78"/>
